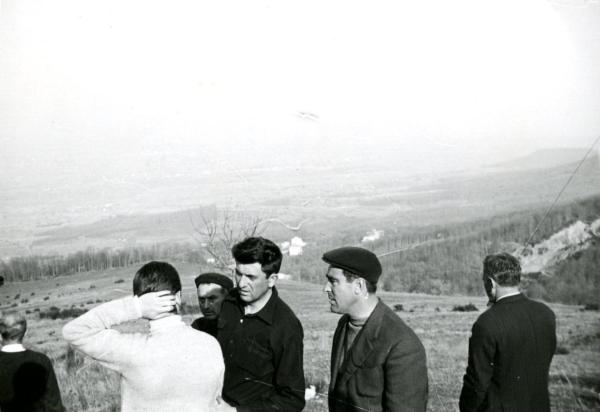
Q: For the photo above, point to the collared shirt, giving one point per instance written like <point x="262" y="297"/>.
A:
<point x="263" y="356"/>
<point x="13" y="347"/>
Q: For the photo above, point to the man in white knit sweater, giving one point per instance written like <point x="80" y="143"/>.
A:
<point x="173" y="368"/>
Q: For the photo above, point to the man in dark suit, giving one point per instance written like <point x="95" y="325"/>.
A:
<point x="212" y="289"/>
<point x="27" y="379"/>
<point x="511" y="346"/>
<point x="377" y="361"/>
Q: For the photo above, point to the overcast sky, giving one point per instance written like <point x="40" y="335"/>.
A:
<point x="468" y="78"/>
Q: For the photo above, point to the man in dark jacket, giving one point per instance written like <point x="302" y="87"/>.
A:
<point x="260" y="336"/>
<point x="212" y="289"/>
<point x="27" y="379"/>
<point x="511" y="346"/>
<point x="377" y="361"/>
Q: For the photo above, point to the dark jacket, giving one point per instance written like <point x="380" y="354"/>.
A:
<point x="510" y="350"/>
<point x="385" y="369"/>
<point x="263" y="355"/>
<point x="206" y="325"/>
<point x="28" y="383"/>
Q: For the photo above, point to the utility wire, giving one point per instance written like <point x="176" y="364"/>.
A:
<point x="561" y="192"/>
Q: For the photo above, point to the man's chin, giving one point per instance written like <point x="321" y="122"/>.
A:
<point x="210" y="316"/>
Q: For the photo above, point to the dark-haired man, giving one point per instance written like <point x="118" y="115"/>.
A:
<point x="212" y="290"/>
<point x="260" y="336"/>
<point x="173" y="368"/>
<point x="27" y="379"/>
<point x="511" y="346"/>
<point x="377" y="362"/>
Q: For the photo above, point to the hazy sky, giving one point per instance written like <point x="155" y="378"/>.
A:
<point x="244" y="81"/>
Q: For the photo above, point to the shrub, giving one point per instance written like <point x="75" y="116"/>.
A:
<point x="24" y="300"/>
<point x="469" y="307"/>
<point x="119" y="281"/>
<point x="55" y="313"/>
<point x="46" y="297"/>
<point x="398" y="307"/>
<point x="92" y="286"/>
<point x="591" y="306"/>
<point x="17" y="296"/>
<point x="561" y="350"/>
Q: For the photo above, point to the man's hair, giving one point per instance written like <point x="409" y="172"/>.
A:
<point x="154" y="277"/>
<point x="261" y="250"/>
<point x="371" y="287"/>
<point x="504" y="268"/>
<point x="12" y="327"/>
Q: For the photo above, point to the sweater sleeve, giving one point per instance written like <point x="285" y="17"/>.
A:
<point x="91" y="333"/>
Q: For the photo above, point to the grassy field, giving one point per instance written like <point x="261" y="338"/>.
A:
<point x="86" y="386"/>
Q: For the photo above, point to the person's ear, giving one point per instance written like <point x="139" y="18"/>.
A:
<point x="357" y="286"/>
<point x="272" y="280"/>
<point x="494" y="283"/>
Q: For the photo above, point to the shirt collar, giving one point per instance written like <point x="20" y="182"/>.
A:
<point x="267" y="313"/>
<point x="508" y="295"/>
<point x="13" y="347"/>
<point x="168" y="322"/>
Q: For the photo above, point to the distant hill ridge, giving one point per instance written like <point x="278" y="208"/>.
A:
<point x="547" y="158"/>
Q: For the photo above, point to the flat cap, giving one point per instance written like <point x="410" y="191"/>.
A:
<point x="215" y="278"/>
<point x="357" y="260"/>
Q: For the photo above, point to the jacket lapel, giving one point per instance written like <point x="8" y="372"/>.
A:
<point x="363" y="344"/>
<point x="338" y="341"/>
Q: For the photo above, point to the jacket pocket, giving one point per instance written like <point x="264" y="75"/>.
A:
<point x="369" y="381"/>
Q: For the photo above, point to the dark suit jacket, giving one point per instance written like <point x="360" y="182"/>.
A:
<point x="510" y="351"/>
<point x="28" y="383"/>
<point x="385" y="369"/>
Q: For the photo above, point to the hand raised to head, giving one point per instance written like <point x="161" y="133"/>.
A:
<point x="156" y="305"/>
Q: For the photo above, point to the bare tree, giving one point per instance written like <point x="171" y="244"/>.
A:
<point x="217" y="233"/>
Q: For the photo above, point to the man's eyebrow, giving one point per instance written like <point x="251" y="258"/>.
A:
<point x="244" y="274"/>
<point x="330" y="278"/>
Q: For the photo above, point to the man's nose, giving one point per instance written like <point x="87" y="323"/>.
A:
<point x="327" y="287"/>
<point x="242" y="282"/>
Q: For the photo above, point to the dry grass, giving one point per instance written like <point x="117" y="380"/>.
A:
<point x="87" y="386"/>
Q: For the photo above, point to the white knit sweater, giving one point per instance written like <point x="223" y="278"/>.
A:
<point x="174" y="368"/>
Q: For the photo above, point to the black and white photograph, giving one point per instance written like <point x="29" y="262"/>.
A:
<point x="321" y="206"/>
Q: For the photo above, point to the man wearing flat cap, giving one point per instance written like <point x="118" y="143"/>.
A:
<point x="377" y="362"/>
<point x="212" y="289"/>
<point x="511" y="346"/>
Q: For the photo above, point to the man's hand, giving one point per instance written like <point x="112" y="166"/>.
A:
<point x="156" y="305"/>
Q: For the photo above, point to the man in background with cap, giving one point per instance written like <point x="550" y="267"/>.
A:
<point x="377" y="361"/>
<point x="212" y="289"/>
<point x="511" y="346"/>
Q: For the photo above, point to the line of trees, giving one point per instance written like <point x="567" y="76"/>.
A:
<point x="448" y="262"/>
<point x="26" y="268"/>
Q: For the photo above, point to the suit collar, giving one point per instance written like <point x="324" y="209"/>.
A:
<point x="363" y="344"/>
<point x="509" y="299"/>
